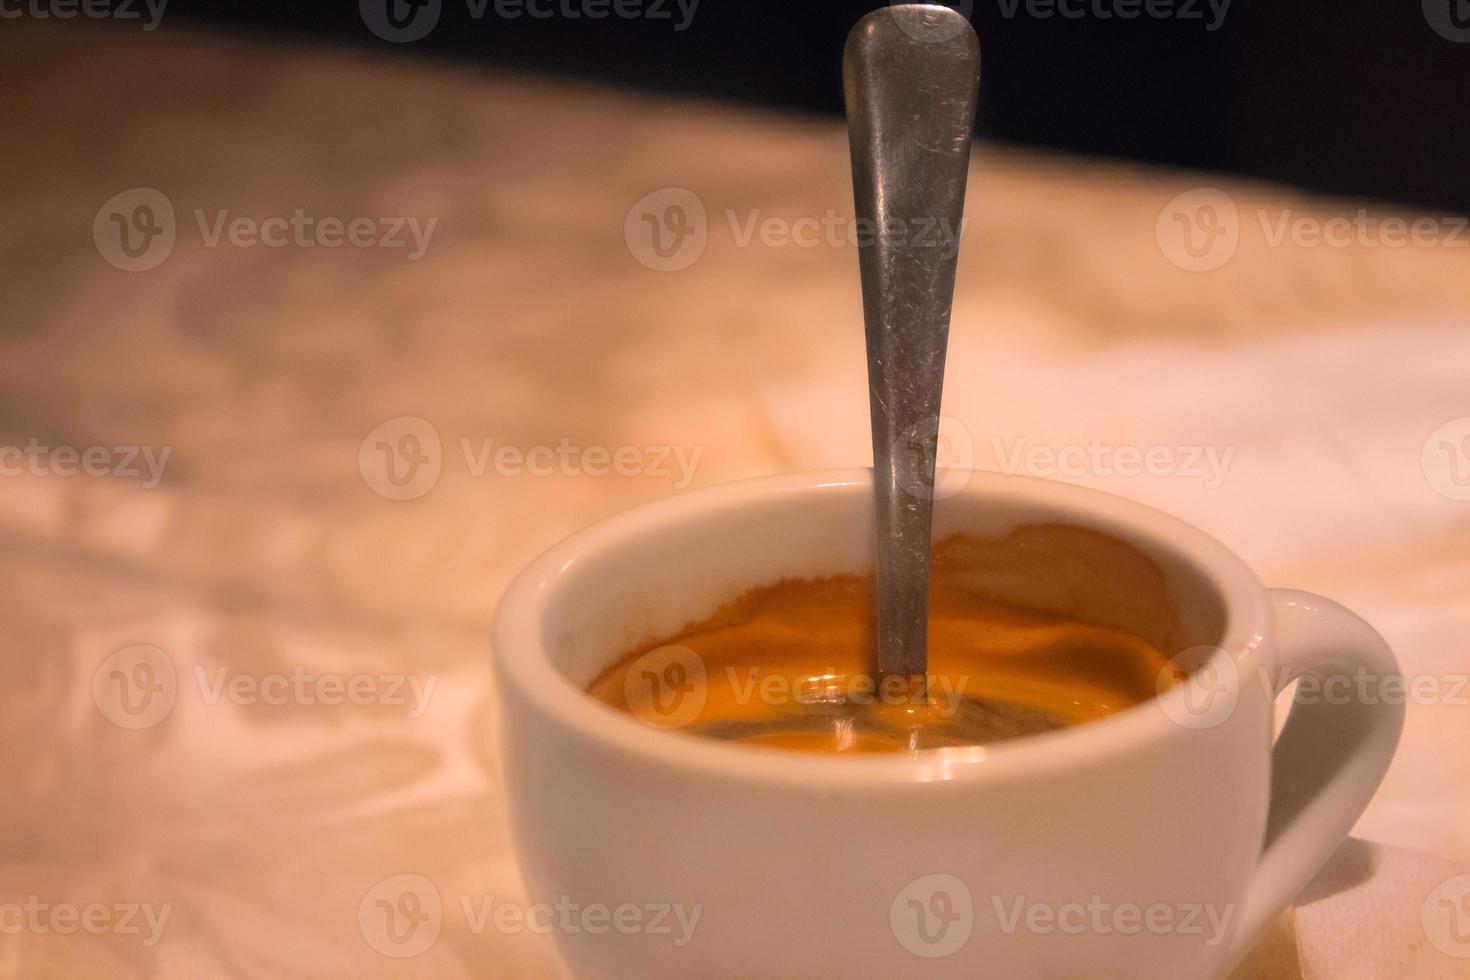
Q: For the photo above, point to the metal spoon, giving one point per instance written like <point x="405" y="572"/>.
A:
<point x="911" y="74"/>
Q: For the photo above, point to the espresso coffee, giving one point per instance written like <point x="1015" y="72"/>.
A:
<point x="1052" y="626"/>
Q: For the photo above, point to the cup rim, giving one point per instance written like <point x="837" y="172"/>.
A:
<point x="524" y="669"/>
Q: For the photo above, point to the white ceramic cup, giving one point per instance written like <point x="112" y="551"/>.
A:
<point x="1157" y="842"/>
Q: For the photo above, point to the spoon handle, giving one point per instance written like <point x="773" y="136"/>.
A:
<point x="910" y="77"/>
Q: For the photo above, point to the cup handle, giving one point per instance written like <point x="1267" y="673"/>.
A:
<point x="1331" y="755"/>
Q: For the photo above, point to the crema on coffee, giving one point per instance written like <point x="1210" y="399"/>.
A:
<point x="1052" y="626"/>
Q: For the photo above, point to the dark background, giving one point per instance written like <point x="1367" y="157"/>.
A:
<point x="1360" y="97"/>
